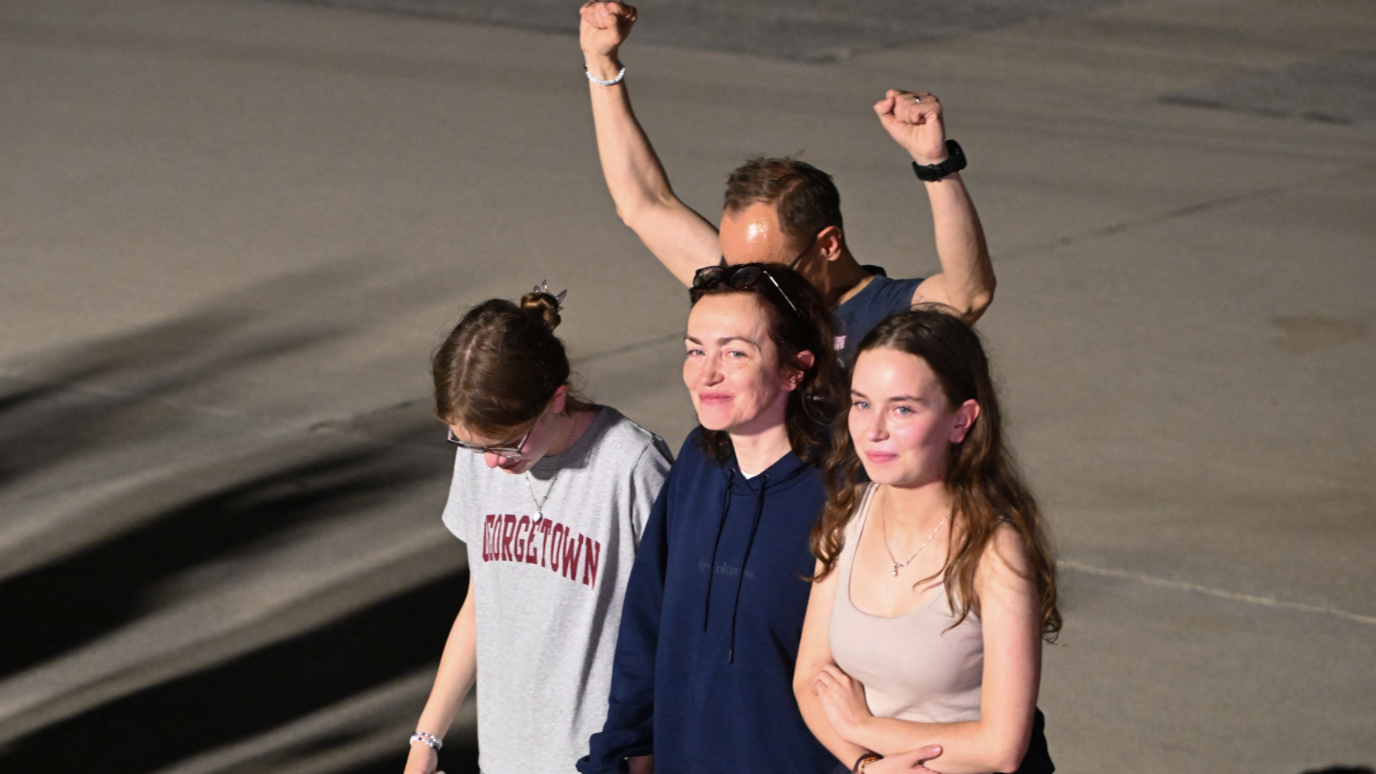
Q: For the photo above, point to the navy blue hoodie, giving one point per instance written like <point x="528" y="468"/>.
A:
<point x="703" y="674"/>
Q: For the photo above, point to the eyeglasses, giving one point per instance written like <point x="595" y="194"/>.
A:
<point x="742" y="277"/>
<point x="793" y="264"/>
<point x="500" y="451"/>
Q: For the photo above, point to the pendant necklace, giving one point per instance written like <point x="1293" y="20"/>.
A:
<point x="540" y="502"/>
<point x="884" y="525"/>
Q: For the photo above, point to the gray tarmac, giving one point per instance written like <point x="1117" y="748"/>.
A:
<point x="232" y="231"/>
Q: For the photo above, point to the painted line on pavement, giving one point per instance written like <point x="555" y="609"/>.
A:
<point x="1233" y="595"/>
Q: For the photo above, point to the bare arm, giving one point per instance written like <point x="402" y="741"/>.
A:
<point x="966" y="282"/>
<point x="679" y="237"/>
<point x="1012" y="673"/>
<point x="814" y="655"/>
<point x="452" y="684"/>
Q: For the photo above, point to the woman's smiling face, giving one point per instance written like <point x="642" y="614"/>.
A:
<point x="731" y="365"/>
<point x="900" y="420"/>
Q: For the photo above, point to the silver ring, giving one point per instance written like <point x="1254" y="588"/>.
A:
<point x="917" y="100"/>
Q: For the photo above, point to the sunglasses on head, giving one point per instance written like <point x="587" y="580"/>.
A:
<point x="744" y="277"/>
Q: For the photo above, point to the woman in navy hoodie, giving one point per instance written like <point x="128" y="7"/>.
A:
<point x="702" y="678"/>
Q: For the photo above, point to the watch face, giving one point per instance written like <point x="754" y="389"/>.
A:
<point x="957" y="155"/>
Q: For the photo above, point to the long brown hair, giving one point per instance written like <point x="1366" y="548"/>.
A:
<point x="986" y="488"/>
<point x="500" y="366"/>
<point x="798" y="321"/>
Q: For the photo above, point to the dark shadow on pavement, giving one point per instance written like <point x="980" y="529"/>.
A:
<point x="97" y="398"/>
<point x="254" y="693"/>
<point x="95" y="590"/>
<point x="146" y="412"/>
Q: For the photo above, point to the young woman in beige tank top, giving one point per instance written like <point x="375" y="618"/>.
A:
<point x="935" y="586"/>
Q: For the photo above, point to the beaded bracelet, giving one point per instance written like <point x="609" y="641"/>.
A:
<point x="430" y="740"/>
<point x="601" y="82"/>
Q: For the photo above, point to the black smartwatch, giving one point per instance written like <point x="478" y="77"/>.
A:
<point x="955" y="162"/>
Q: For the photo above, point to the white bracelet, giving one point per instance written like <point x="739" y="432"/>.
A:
<point x="601" y="82"/>
<point x="430" y="740"/>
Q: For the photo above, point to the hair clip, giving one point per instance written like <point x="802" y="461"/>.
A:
<point x="543" y="287"/>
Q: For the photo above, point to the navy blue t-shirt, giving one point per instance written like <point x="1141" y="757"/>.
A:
<point x="879" y="299"/>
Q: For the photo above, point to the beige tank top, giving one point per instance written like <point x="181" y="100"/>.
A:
<point x="911" y="666"/>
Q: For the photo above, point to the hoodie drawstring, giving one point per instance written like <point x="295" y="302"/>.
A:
<point x="740" y="577"/>
<point x="712" y="567"/>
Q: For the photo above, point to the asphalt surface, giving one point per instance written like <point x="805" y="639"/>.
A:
<point x="231" y="232"/>
<point x="800" y="30"/>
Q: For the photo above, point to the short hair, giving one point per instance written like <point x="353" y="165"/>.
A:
<point x="804" y="196"/>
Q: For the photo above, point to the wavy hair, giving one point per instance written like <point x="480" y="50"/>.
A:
<point x="985" y="486"/>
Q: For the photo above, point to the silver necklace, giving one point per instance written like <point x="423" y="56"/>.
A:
<point x="884" y="525"/>
<point x="540" y="502"/>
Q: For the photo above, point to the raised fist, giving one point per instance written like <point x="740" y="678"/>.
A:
<point x="604" y="27"/>
<point x="914" y="121"/>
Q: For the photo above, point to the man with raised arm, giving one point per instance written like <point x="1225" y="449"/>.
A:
<point x="784" y="210"/>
